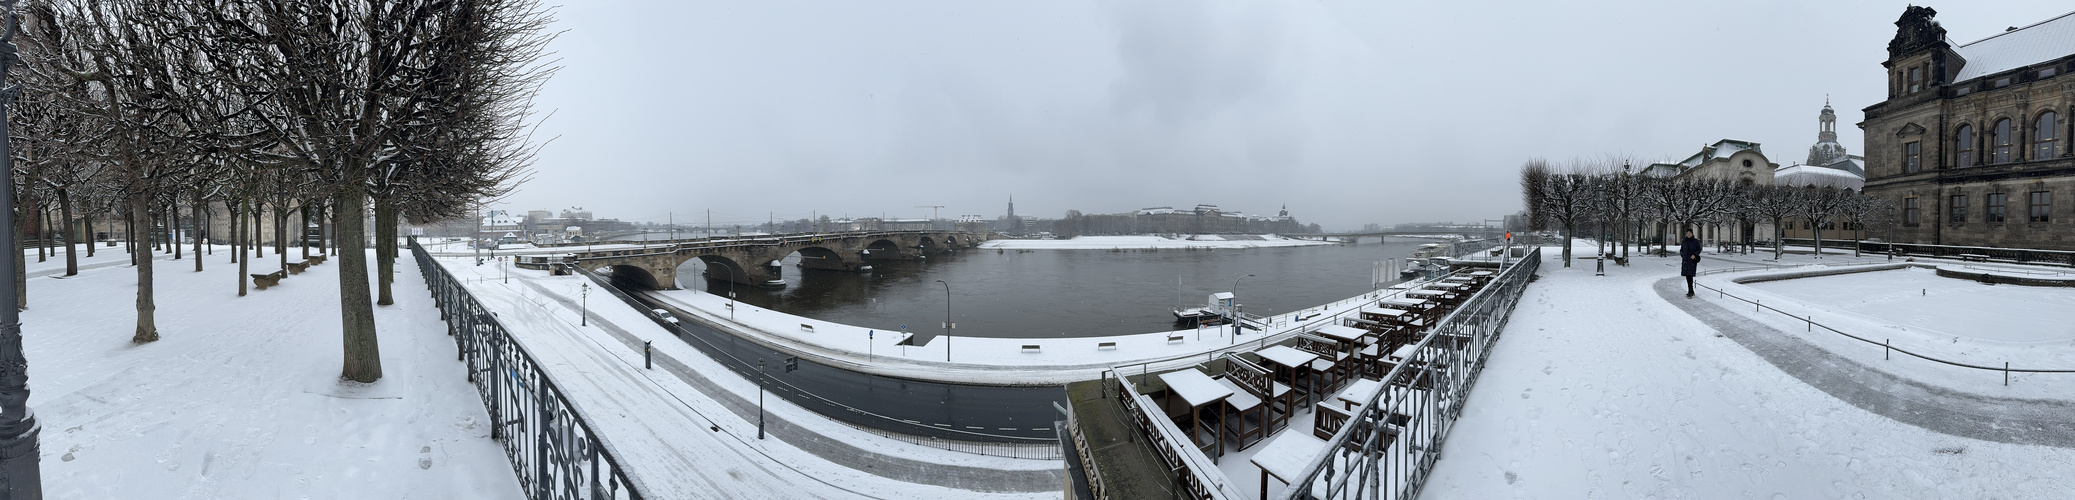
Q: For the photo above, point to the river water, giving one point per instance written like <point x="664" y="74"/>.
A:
<point x="1063" y="293"/>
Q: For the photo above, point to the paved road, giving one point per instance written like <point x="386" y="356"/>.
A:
<point x="2018" y="421"/>
<point x="951" y="411"/>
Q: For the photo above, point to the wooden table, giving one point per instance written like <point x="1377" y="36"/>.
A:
<point x="1198" y="390"/>
<point x="1347" y="336"/>
<point x="1285" y="457"/>
<point x="1286" y="360"/>
<point x="1357" y="393"/>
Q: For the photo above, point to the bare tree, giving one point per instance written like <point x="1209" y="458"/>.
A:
<point x="1534" y="182"/>
<point x="1819" y="207"/>
<point x="1776" y="204"/>
<point x="1860" y="211"/>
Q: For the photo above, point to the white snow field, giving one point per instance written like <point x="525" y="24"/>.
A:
<point x="1920" y="298"/>
<point x="1154" y="242"/>
<point x="1602" y="387"/>
<point x="241" y="396"/>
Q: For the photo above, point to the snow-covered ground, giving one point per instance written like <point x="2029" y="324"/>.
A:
<point x="1914" y="309"/>
<point x="1154" y="242"/>
<point x="661" y="423"/>
<point x="241" y="396"/>
<point x="1602" y="387"/>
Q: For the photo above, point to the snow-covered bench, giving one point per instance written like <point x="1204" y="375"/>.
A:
<point x="1033" y="348"/>
<point x="262" y="281"/>
<point x="297" y="267"/>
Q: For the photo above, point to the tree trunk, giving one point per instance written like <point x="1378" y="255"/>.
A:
<point x="385" y="248"/>
<point x="363" y="361"/>
<point x="199" y="213"/>
<point x="305" y="229"/>
<point x="230" y="210"/>
<point x="281" y="234"/>
<point x="129" y="237"/>
<point x="147" y="326"/>
<point x="71" y="240"/>
<point x="259" y="227"/>
<point x="86" y="222"/>
<point x="173" y="228"/>
<point x="237" y="219"/>
<point x="42" y="234"/>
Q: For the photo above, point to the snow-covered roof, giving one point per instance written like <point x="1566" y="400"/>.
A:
<point x="1720" y="149"/>
<point x="2048" y="40"/>
<point x="1811" y="175"/>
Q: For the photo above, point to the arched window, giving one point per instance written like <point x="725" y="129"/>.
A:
<point x="2045" y="135"/>
<point x="2000" y="141"/>
<point x="1966" y="147"/>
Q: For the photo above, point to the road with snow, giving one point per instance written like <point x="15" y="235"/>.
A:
<point x="955" y="411"/>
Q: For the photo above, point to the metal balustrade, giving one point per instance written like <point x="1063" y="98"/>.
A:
<point x="1389" y="446"/>
<point x="554" y="451"/>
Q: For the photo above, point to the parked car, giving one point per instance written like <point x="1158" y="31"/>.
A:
<point x="664" y="316"/>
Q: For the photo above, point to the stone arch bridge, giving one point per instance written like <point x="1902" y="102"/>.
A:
<point x="754" y="260"/>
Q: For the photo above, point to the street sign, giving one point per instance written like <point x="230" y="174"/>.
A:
<point x="792" y="363"/>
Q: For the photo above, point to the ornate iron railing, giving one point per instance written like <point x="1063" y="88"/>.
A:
<point x="554" y="451"/>
<point x="1389" y="446"/>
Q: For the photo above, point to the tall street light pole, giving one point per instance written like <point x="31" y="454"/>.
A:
<point x="18" y="428"/>
<point x="947" y="320"/>
<point x="1234" y="306"/>
<point x="585" y="320"/>
<point x="731" y="289"/>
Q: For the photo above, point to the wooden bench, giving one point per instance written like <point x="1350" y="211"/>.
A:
<point x="806" y="328"/>
<point x="262" y="281"/>
<point x="1973" y="257"/>
<point x="297" y="267"/>
<point x="1175" y="338"/>
<point x="1327" y="420"/>
<point x="1033" y="348"/>
<point x="1106" y="345"/>
<point x="316" y="259"/>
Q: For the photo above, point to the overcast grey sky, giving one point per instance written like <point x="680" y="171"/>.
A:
<point x="1349" y="111"/>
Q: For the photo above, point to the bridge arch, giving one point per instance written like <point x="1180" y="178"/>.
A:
<point x="927" y="245"/>
<point x="634" y="277"/>
<point x="726" y="269"/>
<point x="820" y="257"/>
<point x="883" y="249"/>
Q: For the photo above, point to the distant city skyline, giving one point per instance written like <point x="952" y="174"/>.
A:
<point x="1350" y="112"/>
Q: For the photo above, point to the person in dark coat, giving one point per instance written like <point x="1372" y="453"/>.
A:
<point x="1689" y="260"/>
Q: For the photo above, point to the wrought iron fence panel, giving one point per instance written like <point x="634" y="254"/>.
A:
<point x="554" y="452"/>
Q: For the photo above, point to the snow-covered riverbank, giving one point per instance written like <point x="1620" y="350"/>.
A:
<point x="1155" y="242"/>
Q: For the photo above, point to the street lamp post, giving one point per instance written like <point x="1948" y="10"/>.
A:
<point x="18" y="428"/>
<point x="585" y="320"/>
<point x="760" y="398"/>
<point x="1236" y="330"/>
<point x="731" y="290"/>
<point x="947" y="321"/>
<point x="1891" y="232"/>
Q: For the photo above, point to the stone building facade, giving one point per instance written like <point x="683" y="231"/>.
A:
<point x="1972" y="143"/>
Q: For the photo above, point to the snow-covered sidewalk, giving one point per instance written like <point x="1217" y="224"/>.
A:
<point x="681" y="428"/>
<point x="1600" y="387"/>
<point x="241" y="396"/>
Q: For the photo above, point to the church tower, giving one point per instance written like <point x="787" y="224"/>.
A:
<point x="1827" y="149"/>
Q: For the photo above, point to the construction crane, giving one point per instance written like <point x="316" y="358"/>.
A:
<point x="932" y="210"/>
